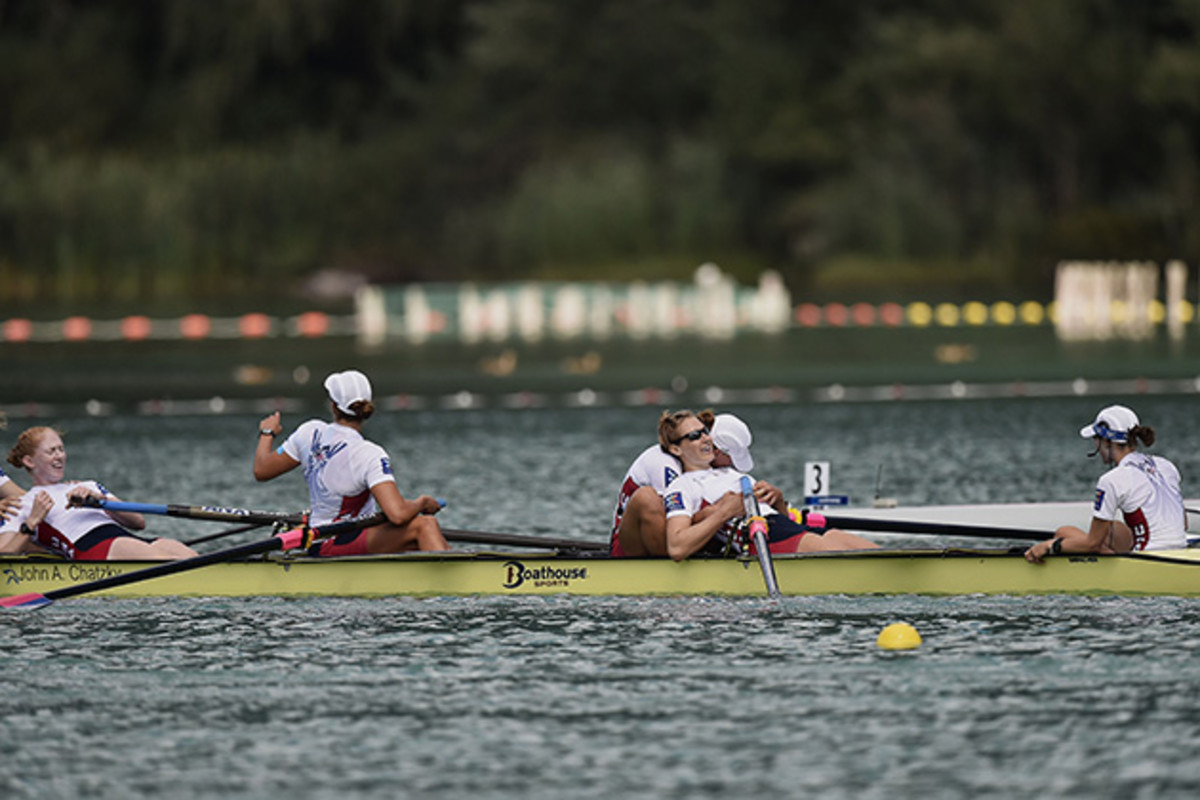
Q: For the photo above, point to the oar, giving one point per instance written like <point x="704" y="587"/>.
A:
<point x="222" y="534"/>
<point x="193" y="512"/>
<point x="280" y="541"/>
<point x="483" y="537"/>
<point x="269" y="517"/>
<point x="820" y="521"/>
<point x="758" y="533"/>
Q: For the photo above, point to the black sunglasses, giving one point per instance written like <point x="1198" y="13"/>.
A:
<point x="694" y="436"/>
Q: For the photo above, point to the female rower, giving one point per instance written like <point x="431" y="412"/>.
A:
<point x="349" y="476"/>
<point x="1142" y="490"/>
<point x="702" y="503"/>
<point x="47" y="518"/>
<point x="639" y="525"/>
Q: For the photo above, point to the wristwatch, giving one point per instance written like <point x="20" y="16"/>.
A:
<point x="25" y="529"/>
<point x="266" y="432"/>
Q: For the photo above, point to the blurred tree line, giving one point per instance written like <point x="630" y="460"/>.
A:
<point x="152" y="149"/>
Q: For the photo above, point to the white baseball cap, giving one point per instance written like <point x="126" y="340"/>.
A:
<point x="1112" y="423"/>
<point x="732" y="436"/>
<point x="347" y="388"/>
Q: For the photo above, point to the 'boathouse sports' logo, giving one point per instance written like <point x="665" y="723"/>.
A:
<point x="517" y="574"/>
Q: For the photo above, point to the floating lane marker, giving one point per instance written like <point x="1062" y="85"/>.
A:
<point x="898" y="636"/>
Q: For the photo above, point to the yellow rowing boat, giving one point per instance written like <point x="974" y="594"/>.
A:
<point x="878" y="572"/>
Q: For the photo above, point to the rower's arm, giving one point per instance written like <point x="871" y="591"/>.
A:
<point x="126" y="519"/>
<point x="400" y="511"/>
<point x="686" y="536"/>
<point x="1097" y="537"/>
<point x="10" y="499"/>
<point x="1096" y="541"/>
<point x="268" y="462"/>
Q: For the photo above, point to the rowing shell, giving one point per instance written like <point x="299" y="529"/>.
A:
<point x="882" y="572"/>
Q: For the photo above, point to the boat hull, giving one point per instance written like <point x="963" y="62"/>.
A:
<point x="878" y="572"/>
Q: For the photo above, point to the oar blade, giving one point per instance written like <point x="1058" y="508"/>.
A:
<point x="27" y="602"/>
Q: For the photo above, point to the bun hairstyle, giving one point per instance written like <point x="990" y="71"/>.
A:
<point x="27" y="442"/>
<point x="668" y="426"/>
<point x="363" y="409"/>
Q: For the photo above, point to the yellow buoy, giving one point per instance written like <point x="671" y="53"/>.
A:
<point x="899" y="636"/>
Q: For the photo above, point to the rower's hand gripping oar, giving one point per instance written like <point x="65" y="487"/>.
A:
<point x="297" y="537"/>
<point x="757" y="525"/>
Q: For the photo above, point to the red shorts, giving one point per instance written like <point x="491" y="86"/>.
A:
<point x="95" y="544"/>
<point x="346" y="544"/>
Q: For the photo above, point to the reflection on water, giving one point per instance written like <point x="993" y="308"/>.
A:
<point x="596" y="697"/>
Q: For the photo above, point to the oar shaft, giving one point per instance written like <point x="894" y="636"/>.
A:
<point x="196" y="512"/>
<point x="763" y="546"/>
<point x="758" y="533"/>
<point x="222" y="534"/>
<point x="928" y="528"/>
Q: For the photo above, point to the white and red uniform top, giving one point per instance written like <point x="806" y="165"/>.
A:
<point x="64" y="525"/>
<point x="340" y="467"/>
<point x="1143" y="491"/>
<point x="652" y="468"/>
<point x="693" y="491"/>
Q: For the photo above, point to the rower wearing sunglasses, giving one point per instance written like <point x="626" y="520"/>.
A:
<point x="639" y="526"/>
<point x="705" y="502"/>
<point x="1139" y="503"/>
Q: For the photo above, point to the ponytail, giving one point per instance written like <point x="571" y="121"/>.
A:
<point x="1145" y="433"/>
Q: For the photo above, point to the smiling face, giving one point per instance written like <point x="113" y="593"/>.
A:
<point x="48" y="460"/>
<point x="693" y="445"/>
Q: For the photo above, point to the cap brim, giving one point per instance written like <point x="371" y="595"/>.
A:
<point x="742" y="461"/>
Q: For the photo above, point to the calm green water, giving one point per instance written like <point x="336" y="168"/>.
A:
<point x="558" y="697"/>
